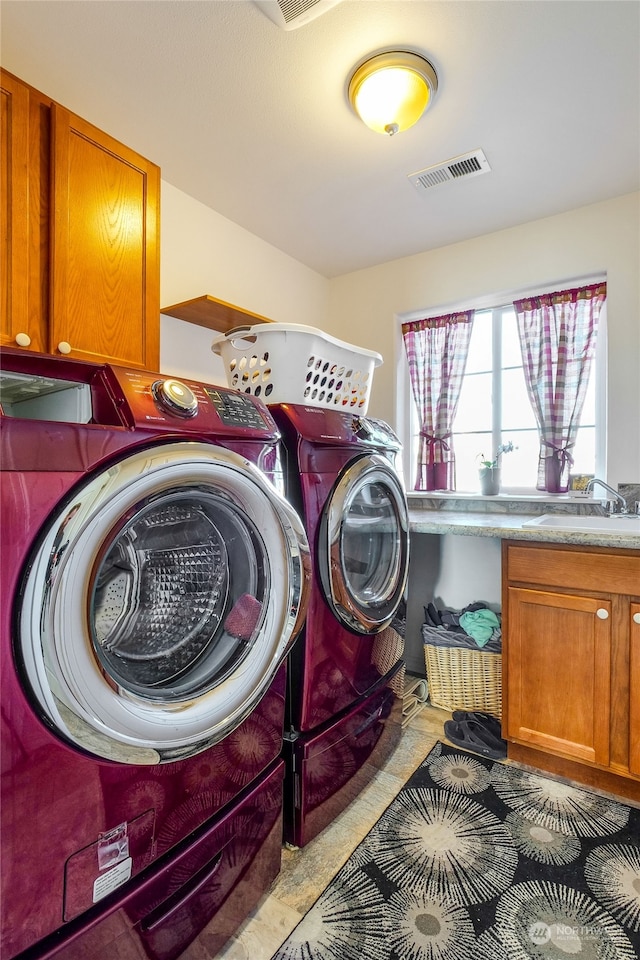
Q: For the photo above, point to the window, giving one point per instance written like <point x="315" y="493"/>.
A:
<point x="494" y="408"/>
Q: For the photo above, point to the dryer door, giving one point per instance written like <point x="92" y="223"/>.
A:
<point x="161" y="601"/>
<point x="363" y="548"/>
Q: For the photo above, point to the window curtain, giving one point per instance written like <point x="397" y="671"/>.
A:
<point x="437" y="353"/>
<point x="558" y="336"/>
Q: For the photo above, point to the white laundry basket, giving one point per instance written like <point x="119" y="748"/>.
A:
<point x="293" y="363"/>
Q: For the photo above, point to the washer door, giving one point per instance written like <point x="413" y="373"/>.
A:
<point x="363" y="548"/>
<point x="161" y="601"/>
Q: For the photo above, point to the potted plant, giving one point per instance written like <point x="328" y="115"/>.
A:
<point x="489" y="472"/>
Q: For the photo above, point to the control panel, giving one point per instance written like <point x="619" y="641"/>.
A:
<point x="189" y="405"/>
<point x="236" y="409"/>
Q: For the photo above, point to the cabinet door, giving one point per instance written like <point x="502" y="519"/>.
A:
<point x="14" y="212"/>
<point x="558" y="676"/>
<point x="105" y="289"/>
<point x="634" y="689"/>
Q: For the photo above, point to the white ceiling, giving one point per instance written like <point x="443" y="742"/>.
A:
<point x="254" y="122"/>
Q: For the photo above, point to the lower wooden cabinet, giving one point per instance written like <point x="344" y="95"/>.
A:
<point x="571" y="660"/>
<point x="634" y="689"/>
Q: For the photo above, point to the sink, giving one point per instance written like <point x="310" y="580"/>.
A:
<point x="615" y="524"/>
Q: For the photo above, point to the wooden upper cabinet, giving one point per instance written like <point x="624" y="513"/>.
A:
<point x="14" y="212"/>
<point x="80" y="236"/>
<point x="104" y="246"/>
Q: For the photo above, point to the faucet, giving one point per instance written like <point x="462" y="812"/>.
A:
<point x="618" y="506"/>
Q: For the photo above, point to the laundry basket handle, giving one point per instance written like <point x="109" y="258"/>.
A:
<point x="236" y="333"/>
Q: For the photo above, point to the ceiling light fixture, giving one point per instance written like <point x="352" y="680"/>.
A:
<point x="391" y="91"/>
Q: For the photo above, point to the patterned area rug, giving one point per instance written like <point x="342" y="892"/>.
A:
<point x="476" y="860"/>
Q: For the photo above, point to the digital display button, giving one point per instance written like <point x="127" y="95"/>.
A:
<point x="236" y="410"/>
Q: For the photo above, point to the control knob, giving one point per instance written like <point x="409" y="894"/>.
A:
<point x="362" y="428"/>
<point x="176" y="397"/>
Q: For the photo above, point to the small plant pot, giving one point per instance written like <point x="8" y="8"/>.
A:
<point x="489" y="481"/>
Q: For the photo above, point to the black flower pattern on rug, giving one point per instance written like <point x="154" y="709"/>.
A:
<point x="542" y="919"/>
<point x="558" y="805"/>
<point x="439" y="843"/>
<point x="480" y="860"/>
<point x="343" y="924"/>
<point x="542" y="843"/>
<point x="613" y="874"/>
<point x="462" y="774"/>
<point x="422" y="926"/>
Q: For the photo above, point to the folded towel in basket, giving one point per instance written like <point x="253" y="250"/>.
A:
<point x="480" y="625"/>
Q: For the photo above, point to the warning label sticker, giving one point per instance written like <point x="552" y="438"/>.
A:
<point x="112" y="879"/>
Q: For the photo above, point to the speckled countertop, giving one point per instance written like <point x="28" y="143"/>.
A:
<point x="503" y="517"/>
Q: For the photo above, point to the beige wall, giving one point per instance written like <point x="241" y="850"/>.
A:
<point x="204" y="253"/>
<point x="602" y="237"/>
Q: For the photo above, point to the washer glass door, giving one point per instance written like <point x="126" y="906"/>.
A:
<point x="161" y="601"/>
<point x="364" y="545"/>
<point x="178" y="598"/>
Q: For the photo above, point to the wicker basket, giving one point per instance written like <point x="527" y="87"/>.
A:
<point x="388" y="648"/>
<point x="461" y="679"/>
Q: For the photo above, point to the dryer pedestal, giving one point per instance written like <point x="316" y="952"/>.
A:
<point x="327" y="769"/>
<point x="196" y="899"/>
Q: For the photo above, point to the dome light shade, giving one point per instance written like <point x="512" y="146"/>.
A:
<point x="391" y="91"/>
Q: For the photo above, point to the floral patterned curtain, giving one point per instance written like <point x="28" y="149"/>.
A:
<point x="558" y="336"/>
<point x="437" y="353"/>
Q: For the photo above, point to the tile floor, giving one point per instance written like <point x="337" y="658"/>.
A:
<point x="306" y="872"/>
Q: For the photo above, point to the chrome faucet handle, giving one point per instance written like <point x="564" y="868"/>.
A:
<point x="616" y="508"/>
<point x="619" y="505"/>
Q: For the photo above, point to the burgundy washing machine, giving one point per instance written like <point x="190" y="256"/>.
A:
<point x="153" y="581"/>
<point x="344" y="706"/>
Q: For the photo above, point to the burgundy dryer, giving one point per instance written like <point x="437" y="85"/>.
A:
<point x="153" y="580"/>
<point x="346" y="669"/>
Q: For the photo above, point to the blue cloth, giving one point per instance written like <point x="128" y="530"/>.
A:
<point x="479" y="624"/>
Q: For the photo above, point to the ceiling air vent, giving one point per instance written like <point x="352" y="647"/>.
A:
<point x="289" y="14"/>
<point x="459" y="168"/>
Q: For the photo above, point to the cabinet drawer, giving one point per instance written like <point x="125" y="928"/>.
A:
<point x="585" y="569"/>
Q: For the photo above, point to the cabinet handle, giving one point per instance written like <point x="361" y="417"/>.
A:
<point x="636" y="618"/>
<point x="23" y="339"/>
<point x="602" y="613"/>
<point x="64" y="347"/>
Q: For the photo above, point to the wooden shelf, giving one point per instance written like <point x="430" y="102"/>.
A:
<point x="212" y="313"/>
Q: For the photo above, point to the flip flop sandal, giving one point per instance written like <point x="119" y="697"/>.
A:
<point x="486" y="720"/>
<point x="471" y="736"/>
